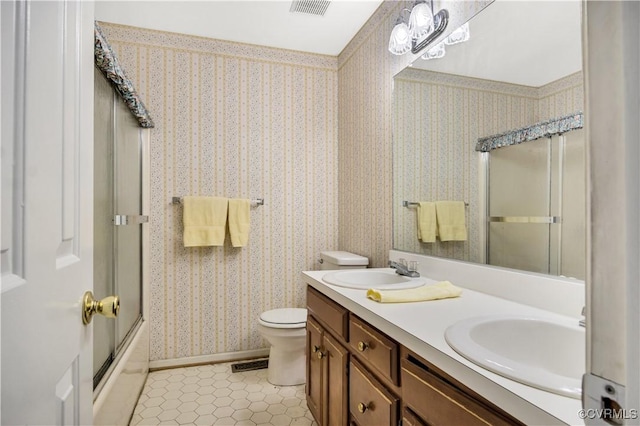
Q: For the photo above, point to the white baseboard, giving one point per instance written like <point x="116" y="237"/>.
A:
<point x="208" y="359"/>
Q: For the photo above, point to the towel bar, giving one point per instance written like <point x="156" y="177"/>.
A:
<point x="256" y="202"/>
<point x="415" y="204"/>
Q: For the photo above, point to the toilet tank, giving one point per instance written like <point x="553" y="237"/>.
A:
<point x="342" y="260"/>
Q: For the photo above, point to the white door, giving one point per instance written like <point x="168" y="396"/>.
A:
<point x="47" y="208"/>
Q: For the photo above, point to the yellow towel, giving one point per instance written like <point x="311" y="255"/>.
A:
<point x="441" y="290"/>
<point x="239" y="221"/>
<point x="204" y="220"/>
<point x="451" y="220"/>
<point x="427" y="222"/>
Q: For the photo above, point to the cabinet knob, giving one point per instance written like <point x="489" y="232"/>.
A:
<point x="315" y="349"/>
<point x="362" y="346"/>
<point x="362" y="407"/>
<point x="320" y="355"/>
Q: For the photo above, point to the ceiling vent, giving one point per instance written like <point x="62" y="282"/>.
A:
<point x="312" y="7"/>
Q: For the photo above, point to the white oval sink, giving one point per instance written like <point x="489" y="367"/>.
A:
<point x="545" y="354"/>
<point x="377" y="279"/>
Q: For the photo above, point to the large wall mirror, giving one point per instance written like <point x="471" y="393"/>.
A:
<point x="525" y="202"/>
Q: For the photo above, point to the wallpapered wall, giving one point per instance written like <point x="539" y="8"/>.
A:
<point x="233" y="120"/>
<point x="239" y="120"/>
<point x="365" y="87"/>
<point x="439" y="162"/>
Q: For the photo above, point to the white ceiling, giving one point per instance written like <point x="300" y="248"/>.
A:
<point x="522" y="42"/>
<point x="265" y="23"/>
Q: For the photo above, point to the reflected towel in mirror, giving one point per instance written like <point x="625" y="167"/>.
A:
<point x="451" y="220"/>
<point x="426" y="215"/>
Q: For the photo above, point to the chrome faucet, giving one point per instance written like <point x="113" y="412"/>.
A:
<point x="402" y="269"/>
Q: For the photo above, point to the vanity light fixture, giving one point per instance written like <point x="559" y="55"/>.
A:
<point x="417" y="32"/>
<point x="421" y="29"/>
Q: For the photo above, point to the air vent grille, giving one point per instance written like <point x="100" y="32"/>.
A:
<point x="312" y="7"/>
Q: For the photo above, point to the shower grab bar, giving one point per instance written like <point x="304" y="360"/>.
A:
<point x="256" y="202"/>
<point x="416" y="204"/>
<point x="524" y="219"/>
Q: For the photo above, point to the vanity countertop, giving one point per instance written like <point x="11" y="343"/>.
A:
<point x="420" y="326"/>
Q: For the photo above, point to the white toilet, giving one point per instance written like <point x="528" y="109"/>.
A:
<point x="286" y="329"/>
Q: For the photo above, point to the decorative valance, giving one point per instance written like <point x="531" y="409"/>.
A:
<point x="110" y="66"/>
<point x="539" y="130"/>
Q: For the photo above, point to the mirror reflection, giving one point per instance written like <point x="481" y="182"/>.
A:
<point x="523" y="204"/>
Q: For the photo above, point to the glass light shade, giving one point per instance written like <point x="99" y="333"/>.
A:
<point x="435" y="52"/>
<point x="420" y="21"/>
<point x="400" y="41"/>
<point x="459" y="35"/>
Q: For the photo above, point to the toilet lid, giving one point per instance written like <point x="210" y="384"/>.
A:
<point x="285" y="317"/>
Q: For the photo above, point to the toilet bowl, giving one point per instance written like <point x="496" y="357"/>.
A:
<point x="285" y="330"/>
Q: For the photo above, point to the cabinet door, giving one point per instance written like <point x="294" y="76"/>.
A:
<point x="314" y="369"/>
<point x="336" y="382"/>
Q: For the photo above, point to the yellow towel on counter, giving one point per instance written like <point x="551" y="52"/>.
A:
<point x="441" y="290"/>
<point x="239" y="221"/>
<point x="204" y="220"/>
<point x="427" y="222"/>
<point x="451" y="220"/>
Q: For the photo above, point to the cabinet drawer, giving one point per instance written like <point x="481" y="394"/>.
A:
<point x="369" y="402"/>
<point x="409" y="418"/>
<point x="328" y="312"/>
<point x="376" y="348"/>
<point x="439" y="403"/>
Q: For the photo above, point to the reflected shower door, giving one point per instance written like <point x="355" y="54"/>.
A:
<point x="537" y="205"/>
<point x="519" y="188"/>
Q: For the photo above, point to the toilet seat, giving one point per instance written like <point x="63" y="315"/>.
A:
<point x="284" y="318"/>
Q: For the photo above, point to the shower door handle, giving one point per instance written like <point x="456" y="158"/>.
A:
<point x="109" y="307"/>
<point x="129" y="219"/>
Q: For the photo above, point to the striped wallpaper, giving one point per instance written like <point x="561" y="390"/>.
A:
<point x="233" y="120"/>
<point x="239" y="120"/>
<point x="439" y="161"/>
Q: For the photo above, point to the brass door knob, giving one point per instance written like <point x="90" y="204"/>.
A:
<point x="362" y="346"/>
<point x="362" y="407"/>
<point x="109" y="307"/>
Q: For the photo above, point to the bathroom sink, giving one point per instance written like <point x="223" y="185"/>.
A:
<point x="377" y="279"/>
<point x="545" y="354"/>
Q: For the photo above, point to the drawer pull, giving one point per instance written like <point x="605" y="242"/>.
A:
<point x="315" y="349"/>
<point x="362" y="346"/>
<point x="362" y="407"/>
<point x="320" y="355"/>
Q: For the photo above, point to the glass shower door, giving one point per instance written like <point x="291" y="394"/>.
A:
<point x="117" y="230"/>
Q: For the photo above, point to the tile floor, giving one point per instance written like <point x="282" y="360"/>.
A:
<point x="213" y="395"/>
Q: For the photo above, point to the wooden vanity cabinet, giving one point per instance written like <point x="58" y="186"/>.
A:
<point x="327" y="388"/>
<point x="357" y="375"/>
